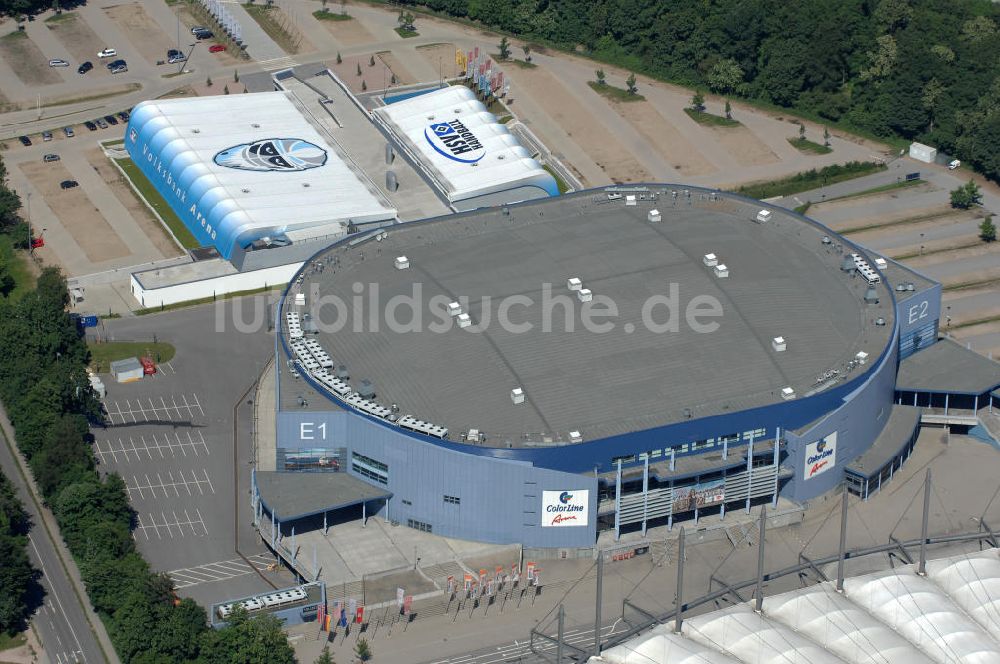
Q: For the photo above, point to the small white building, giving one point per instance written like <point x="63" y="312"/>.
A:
<point x="924" y="153"/>
<point x="128" y="370"/>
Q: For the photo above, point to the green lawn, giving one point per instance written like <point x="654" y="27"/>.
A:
<point x="808" y="147"/>
<point x="523" y="64"/>
<point x="613" y="93"/>
<point x="406" y="34"/>
<point x="811" y="179"/>
<point x="904" y="184"/>
<point x="17" y="264"/>
<point x="102" y="354"/>
<point x="7" y="641"/>
<point x="709" y="119"/>
<point x="563" y="187"/>
<point x="17" y="34"/>
<point x="64" y="16"/>
<point x="330" y="16"/>
<point x="146" y="188"/>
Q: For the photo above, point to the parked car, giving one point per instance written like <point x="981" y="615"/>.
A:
<point x="198" y="28"/>
<point x="46" y="136"/>
<point x="85" y="67"/>
<point x="90" y="125"/>
<point x="50" y="157"/>
<point x="118" y="67"/>
<point x="69" y="184"/>
<point x="110" y="119"/>
<point x="69" y="132"/>
<point x="123" y="115"/>
<point x="57" y="62"/>
<point x="216" y="48"/>
<point x="204" y="34"/>
<point x="955" y="163"/>
<point x="101" y="123"/>
<point x="25" y="141"/>
<point x="173" y="55"/>
<point x="107" y="53"/>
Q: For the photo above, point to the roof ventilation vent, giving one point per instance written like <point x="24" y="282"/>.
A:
<point x="306" y="185"/>
<point x="430" y="117"/>
<point x="255" y="125"/>
<point x="778" y="344"/>
<point x="871" y="295"/>
<point x="196" y="131"/>
<point x="909" y="286"/>
<point x="847" y="265"/>
<point x="880" y="322"/>
<point x="245" y="190"/>
<point x="826" y="239"/>
<point x="900" y="288"/>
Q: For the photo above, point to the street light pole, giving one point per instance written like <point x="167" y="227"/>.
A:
<point x="30" y="248"/>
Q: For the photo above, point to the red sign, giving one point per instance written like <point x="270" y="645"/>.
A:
<point x="321" y="617"/>
<point x="359" y="615"/>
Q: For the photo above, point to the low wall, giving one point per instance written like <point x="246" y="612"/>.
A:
<point x="211" y="287"/>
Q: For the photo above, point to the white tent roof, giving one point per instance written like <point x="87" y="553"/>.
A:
<point x="497" y="163"/>
<point x="951" y="615"/>
<point x="203" y="144"/>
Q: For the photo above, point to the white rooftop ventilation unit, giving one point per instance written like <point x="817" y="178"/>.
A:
<point x="721" y="271"/>
<point x="402" y="262"/>
<point x="653" y="216"/>
<point x="787" y="393"/>
<point x="575" y="437"/>
<point x="454" y="308"/>
<point x="630" y="200"/>
<point x="464" y="320"/>
<point x="574" y="284"/>
<point x="710" y="260"/>
<point x="584" y="295"/>
<point x="881" y="263"/>
<point x="517" y="395"/>
<point x="861" y="357"/>
<point x="764" y="215"/>
<point x="778" y="344"/>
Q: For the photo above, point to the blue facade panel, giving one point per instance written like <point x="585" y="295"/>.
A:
<point x="919" y="317"/>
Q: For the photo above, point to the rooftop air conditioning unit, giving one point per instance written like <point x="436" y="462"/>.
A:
<point x="454" y="308"/>
<point x="721" y="271"/>
<point x="861" y="357"/>
<point x="764" y="215"/>
<point x="300" y="299"/>
<point x="517" y="395"/>
<point x="778" y="344"/>
<point x="881" y="263"/>
<point x="653" y="216"/>
<point x="575" y="437"/>
<point x="787" y="393"/>
<point x="464" y="320"/>
<point x="630" y="200"/>
<point x="574" y="284"/>
<point x="584" y="295"/>
<point x="710" y="260"/>
<point x="402" y="262"/>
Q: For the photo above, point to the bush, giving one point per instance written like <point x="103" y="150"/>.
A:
<point x="966" y="196"/>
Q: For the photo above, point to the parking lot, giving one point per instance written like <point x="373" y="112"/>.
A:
<point x="170" y="438"/>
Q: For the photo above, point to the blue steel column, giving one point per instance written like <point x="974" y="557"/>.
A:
<point x="946" y="404"/>
<point x="749" y="472"/>
<point x="645" y="495"/>
<point x="777" y="446"/>
<point x="618" y="501"/>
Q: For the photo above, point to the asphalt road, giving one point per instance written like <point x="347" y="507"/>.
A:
<point x="61" y="621"/>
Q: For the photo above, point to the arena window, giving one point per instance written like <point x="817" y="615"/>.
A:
<point x="419" y="525"/>
<point x="453" y="500"/>
<point x="370" y="468"/>
<point x="756" y="434"/>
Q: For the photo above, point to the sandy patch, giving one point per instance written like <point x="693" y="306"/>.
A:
<point x="149" y="224"/>
<point x="744" y="146"/>
<point x="27" y="60"/>
<point x="863" y="219"/>
<point x="347" y="33"/>
<point x="664" y="137"/>
<point x="347" y="71"/>
<point x="80" y="41"/>
<point x="441" y="58"/>
<point x="389" y="59"/>
<point x="181" y="92"/>
<point x="76" y="212"/>
<point x="935" y="223"/>
<point x="589" y="133"/>
<point x="141" y="30"/>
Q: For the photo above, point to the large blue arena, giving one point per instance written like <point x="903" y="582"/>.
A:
<point x="608" y="360"/>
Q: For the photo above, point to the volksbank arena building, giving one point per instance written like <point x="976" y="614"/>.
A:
<point x="612" y="359"/>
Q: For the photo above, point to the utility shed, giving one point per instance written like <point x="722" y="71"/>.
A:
<point x="464" y="150"/>
<point x="127" y="371"/>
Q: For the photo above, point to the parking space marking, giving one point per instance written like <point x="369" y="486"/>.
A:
<point x="173" y="486"/>
<point x="219" y="571"/>
<point x="129" y="449"/>
<point x="179" y="408"/>
<point x="173" y="527"/>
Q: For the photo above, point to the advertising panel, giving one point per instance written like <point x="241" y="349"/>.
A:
<point x="565" y="508"/>
<point x="821" y="456"/>
<point x="703" y="494"/>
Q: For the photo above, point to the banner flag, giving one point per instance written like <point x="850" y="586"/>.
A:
<point x="400" y="594"/>
<point x="360" y="614"/>
<point x="531" y="571"/>
<point x="352" y="609"/>
<point x="468" y="582"/>
<point x="407" y="604"/>
<point x="321" y="616"/>
<point x="451" y="585"/>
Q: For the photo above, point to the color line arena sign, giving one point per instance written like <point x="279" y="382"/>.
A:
<point x="454" y="141"/>
<point x="821" y="456"/>
<point x="565" y="508"/>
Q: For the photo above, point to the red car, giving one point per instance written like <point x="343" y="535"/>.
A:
<point x="216" y="48"/>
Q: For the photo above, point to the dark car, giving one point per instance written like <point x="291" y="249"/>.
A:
<point x="204" y="34"/>
<point x="85" y="67"/>
<point x="123" y="115"/>
<point x="174" y="56"/>
<point x="111" y="120"/>
<point x="50" y="157"/>
<point x="118" y="67"/>
<point x="69" y="184"/>
<point x="69" y="132"/>
<point x="24" y="140"/>
<point x="101" y="123"/>
<point x="90" y="125"/>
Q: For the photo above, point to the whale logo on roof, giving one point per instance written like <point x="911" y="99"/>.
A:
<point x="272" y="154"/>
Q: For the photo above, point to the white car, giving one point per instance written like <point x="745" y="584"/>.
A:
<point x="56" y="62"/>
<point x="107" y="53"/>
<point x="954" y="164"/>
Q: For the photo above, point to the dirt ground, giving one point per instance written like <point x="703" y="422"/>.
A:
<point x="441" y="57"/>
<point x="149" y="224"/>
<point x="76" y="212"/>
<point x="91" y="95"/>
<point x="389" y="59"/>
<point x="142" y="31"/>
<point x="744" y="146"/>
<point x="347" y="71"/>
<point x="936" y="222"/>
<point x="27" y="61"/>
<point x="347" y="33"/>
<point x="580" y="125"/>
<point x="862" y="219"/>
<point x="665" y="137"/>
<point x="80" y="41"/>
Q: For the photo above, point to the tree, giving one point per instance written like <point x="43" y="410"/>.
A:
<point x="630" y="84"/>
<point x="236" y="76"/>
<point x="208" y="81"/>
<point x="826" y="136"/>
<point x="359" y="69"/>
<point x="882" y="60"/>
<point x="371" y="61"/>
<point x="725" y="76"/>
<point x="802" y="131"/>
<point x="364" y="86"/>
<point x="527" y="52"/>
<point x="599" y="73"/>
<point x="698" y="101"/>
<point x="987" y="230"/>
<point x="966" y="196"/>
<point x="325" y="657"/>
<point x="362" y="650"/>
<point x="339" y="59"/>
<point x="504" y="48"/>
<point x="729" y="110"/>
<point x="225" y="89"/>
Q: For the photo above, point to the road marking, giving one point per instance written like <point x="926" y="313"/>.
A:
<point x="170" y="487"/>
<point x="52" y="590"/>
<point x="150" y="522"/>
<point x="219" y="571"/>
<point x="148" y="410"/>
<point x="111" y="449"/>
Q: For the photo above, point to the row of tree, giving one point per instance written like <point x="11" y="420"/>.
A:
<point x="44" y="386"/>
<point x="17" y="577"/>
<point x="916" y="69"/>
